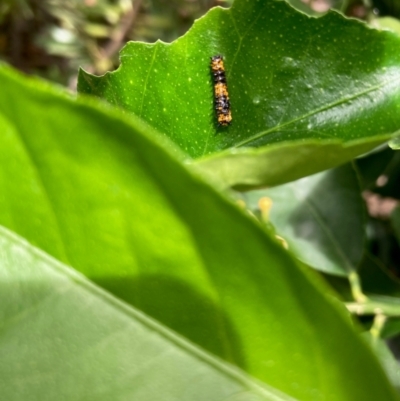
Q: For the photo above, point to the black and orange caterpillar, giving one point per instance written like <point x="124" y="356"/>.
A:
<point x="221" y="96"/>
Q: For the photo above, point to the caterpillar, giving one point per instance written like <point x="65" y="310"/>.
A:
<point x="221" y="95"/>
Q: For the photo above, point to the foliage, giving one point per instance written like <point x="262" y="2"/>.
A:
<point x="284" y="87"/>
<point x="53" y="38"/>
<point x="139" y="268"/>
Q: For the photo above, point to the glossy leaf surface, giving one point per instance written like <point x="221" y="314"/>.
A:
<point x="290" y="77"/>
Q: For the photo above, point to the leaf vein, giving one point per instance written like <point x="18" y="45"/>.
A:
<point x="316" y="111"/>
<point x="147" y="79"/>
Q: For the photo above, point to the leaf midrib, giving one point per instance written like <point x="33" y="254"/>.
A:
<point x="316" y="111"/>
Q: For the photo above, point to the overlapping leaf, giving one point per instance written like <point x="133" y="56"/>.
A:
<point x="97" y="190"/>
<point x="321" y="217"/>
<point x="78" y="342"/>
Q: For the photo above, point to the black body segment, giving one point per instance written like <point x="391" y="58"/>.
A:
<point x="221" y="95"/>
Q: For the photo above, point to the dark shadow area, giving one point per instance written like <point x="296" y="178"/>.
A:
<point x="183" y="309"/>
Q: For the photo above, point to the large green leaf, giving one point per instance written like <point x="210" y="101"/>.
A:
<point x="290" y="77"/>
<point x="99" y="190"/>
<point x="79" y="343"/>
<point x="321" y="217"/>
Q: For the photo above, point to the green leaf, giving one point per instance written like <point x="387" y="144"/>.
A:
<point x="290" y="77"/>
<point x="246" y="169"/>
<point x="102" y="192"/>
<point x="391" y="328"/>
<point x="389" y="363"/>
<point x="78" y="342"/>
<point x="320" y="217"/>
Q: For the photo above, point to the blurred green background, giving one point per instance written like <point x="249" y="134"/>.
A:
<point x="52" y="38"/>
